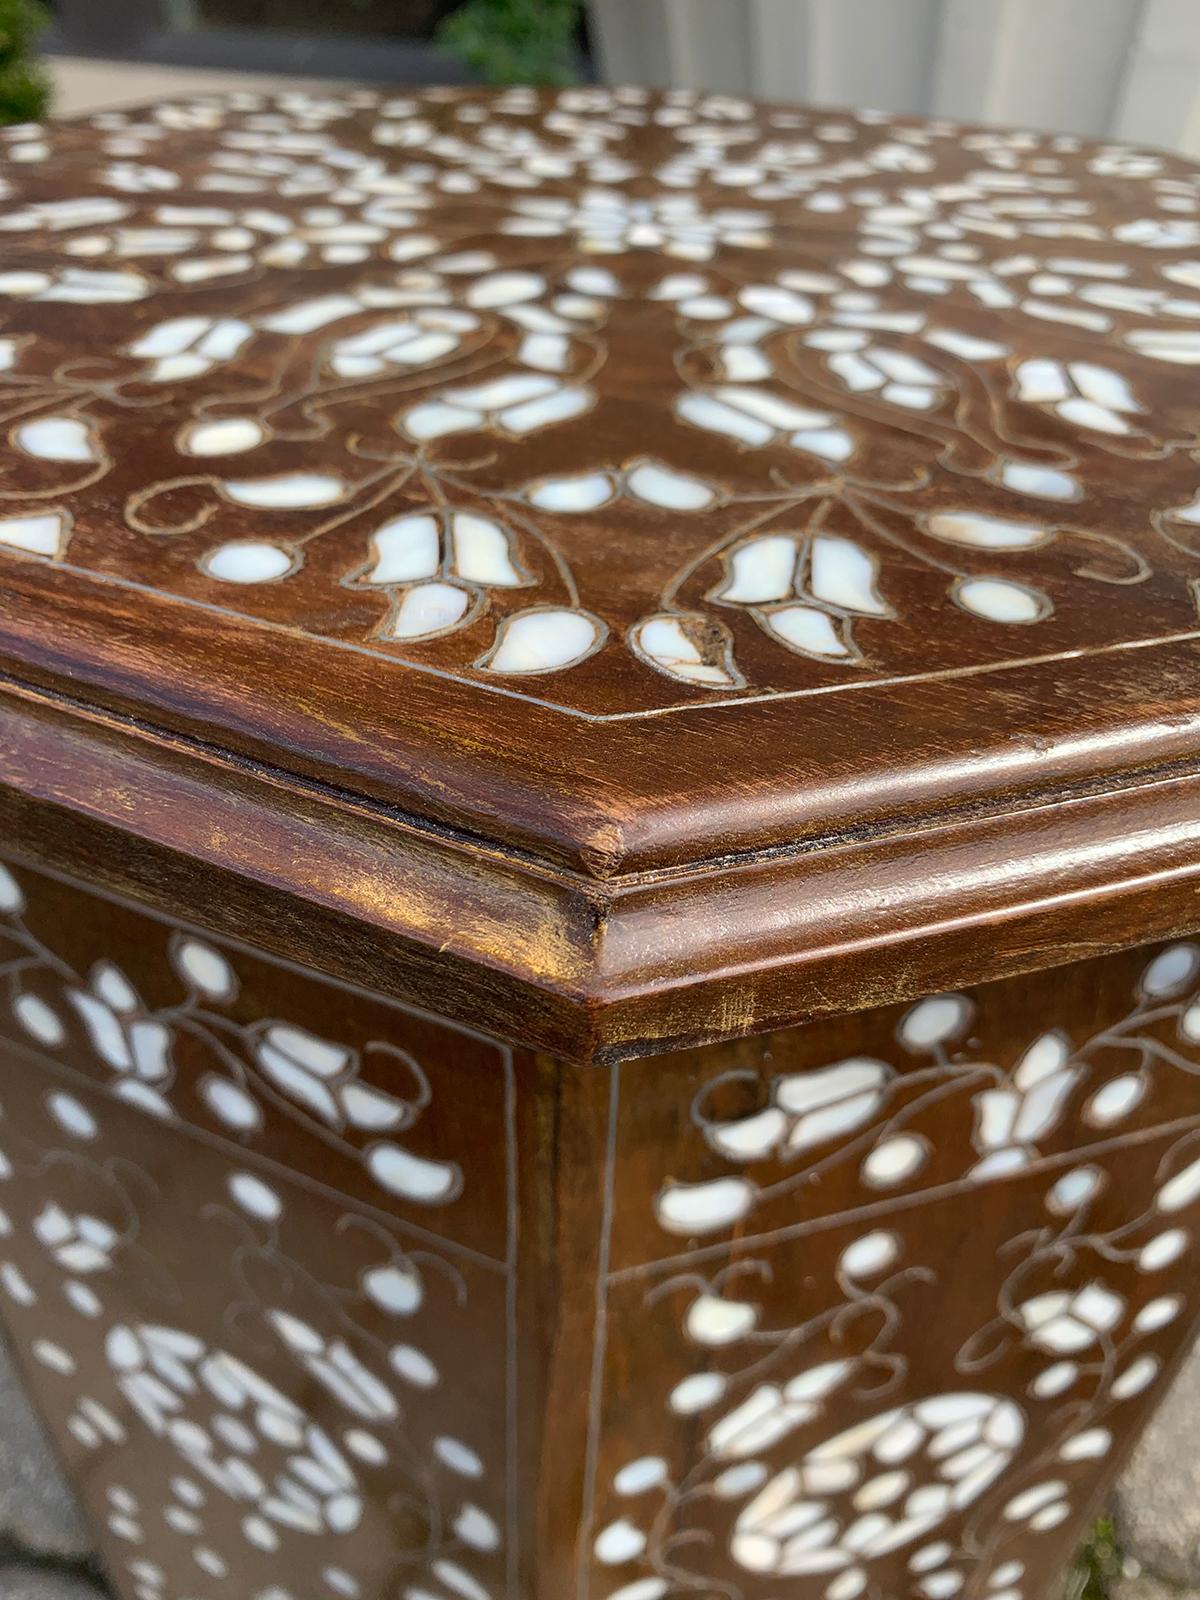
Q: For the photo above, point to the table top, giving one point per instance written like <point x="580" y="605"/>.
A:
<point x="627" y="483"/>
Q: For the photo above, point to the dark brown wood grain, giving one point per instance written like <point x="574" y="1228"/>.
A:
<point x="560" y="1341"/>
<point x="606" y="857"/>
<point x="598" y="745"/>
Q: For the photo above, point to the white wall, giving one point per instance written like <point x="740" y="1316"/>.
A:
<point x="1125" y="68"/>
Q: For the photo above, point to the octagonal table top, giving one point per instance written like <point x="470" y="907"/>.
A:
<point x="629" y="482"/>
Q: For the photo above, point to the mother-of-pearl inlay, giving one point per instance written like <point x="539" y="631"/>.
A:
<point x="757" y="399"/>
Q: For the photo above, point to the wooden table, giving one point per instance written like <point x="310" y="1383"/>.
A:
<point x="598" y="789"/>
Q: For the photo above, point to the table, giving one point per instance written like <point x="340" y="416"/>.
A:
<point x="598" y="802"/>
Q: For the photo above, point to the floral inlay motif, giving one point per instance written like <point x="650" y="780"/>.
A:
<point x="252" y="1069"/>
<point x="523" y="388"/>
<point x="835" y="1411"/>
<point x="316" y="1391"/>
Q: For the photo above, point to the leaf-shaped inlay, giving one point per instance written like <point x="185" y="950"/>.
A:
<point x="660" y="485"/>
<point x="1001" y="600"/>
<point x="481" y="551"/>
<point x="543" y="639"/>
<point x="580" y="491"/>
<point x="249" y="561"/>
<point x="985" y="532"/>
<point x="57" y="439"/>
<point x="692" y="648"/>
<point x="842" y="574"/>
<point x="223" y="436"/>
<point x="427" y="609"/>
<point x="44" y="535"/>
<point x="760" y="570"/>
<point x="413" y="1177"/>
<point x="405" y="548"/>
<point x="810" y="630"/>
<point x="302" y="491"/>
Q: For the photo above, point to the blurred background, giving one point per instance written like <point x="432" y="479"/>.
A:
<point x="1112" y="69"/>
<point x="1128" y="69"/>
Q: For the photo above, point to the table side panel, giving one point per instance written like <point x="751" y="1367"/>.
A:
<point x="887" y="1296"/>
<point x="258" y="1238"/>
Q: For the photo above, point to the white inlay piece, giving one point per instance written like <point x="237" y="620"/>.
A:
<point x="935" y="1021"/>
<point x="842" y="574"/>
<point x="480" y="551"/>
<point x="1180" y="345"/>
<point x="831" y="444"/>
<point x="505" y="289"/>
<point x="231" y="1104"/>
<point x="665" y="642"/>
<point x="72" y="1116"/>
<point x="1001" y="600"/>
<point x="697" y="1393"/>
<point x="255" y="1196"/>
<point x="582" y="491"/>
<point x="1066" y="1322"/>
<point x="248" y="561"/>
<point x="713" y="1320"/>
<point x="405" y="548"/>
<point x="543" y="639"/>
<point x="460" y="1458"/>
<point x="291" y="490"/>
<point x="792" y="1527"/>
<point x="750" y="1138"/>
<point x="56" y="439"/>
<point x="986" y="532"/>
<point x="413" y="1177"/>
<point x="428" y="609"/>
<point x="1087" y="1446"/>
<point x="760" y="570"/>
<point x="189" y="347"/>
<point x="1080" y="392"/>
<point x="1114" y="1100"/>
<point x="12" y="898"/>
<point x="641" y="1475"/>
<point x="641" y="1589"/>
<point x="1181" y="1190"/>
<point x="205" y="969"/>
<point x="1138" y="1375"/>
<point x="1163" y="1249"/>
<point x="894" y="1160"/>
<point x="1158" y="1313"/>
<point x="694" y="1208"/>
<point x="307" y="315"/>
<point x="1171" y="970"/>
<point x="831" y="1101"/>
<point x="43" y="535"/>
<point x="38" y="1020"/>
<point x="222" y="437"/>
<point x="1074" y="1189"/>
<point x="660" y="485"/>
<point x="870" y="1255"/>
<point x="619" y="1542"/>
<point x="1054" y="1380"/>
<point x="1028" y="477"/>
<point x="396" y="1288"/>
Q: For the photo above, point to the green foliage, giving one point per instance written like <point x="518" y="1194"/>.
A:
<point x="24" y="82"/>
<point x="1096" y="1565"/>
<point x="515" y="41"/>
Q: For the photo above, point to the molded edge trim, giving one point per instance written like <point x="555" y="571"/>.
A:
<point x="556" y="961"/>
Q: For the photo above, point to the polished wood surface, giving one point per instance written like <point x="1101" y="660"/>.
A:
<point x="720" y="815"/>
<point x="670" y="256"/>
<point x="599" y="833"/>
<point x="324" y="1297"/>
